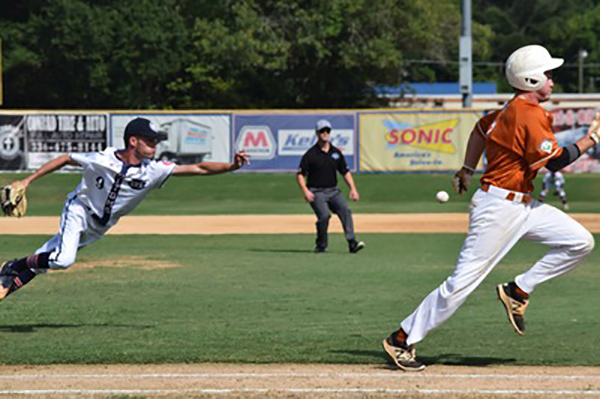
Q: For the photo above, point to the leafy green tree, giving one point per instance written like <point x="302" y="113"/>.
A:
<point x="564" y="27"/>
<point x="270" y="53"/>
<point x="319" y="54"/>
<point x="81" y="54"/>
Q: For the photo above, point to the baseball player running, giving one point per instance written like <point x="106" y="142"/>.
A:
<point x="518" y="142"/>
<point x="554" y="180"/>
<point x="114" y="182"/>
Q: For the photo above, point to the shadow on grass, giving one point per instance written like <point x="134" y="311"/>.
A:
<point x="31" y="328"/>
<point x="377" y="354"/>
<point x="288" y="251"/>
<point x="453" y="359"/>
<point x="448" y="359"/>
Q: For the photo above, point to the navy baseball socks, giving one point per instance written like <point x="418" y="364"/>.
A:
<point x="15" y="274"/>
<point x="404" y="355"/>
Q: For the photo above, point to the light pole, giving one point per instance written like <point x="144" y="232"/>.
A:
<point x="1" y="87"/>
<point x="580" y="57"/>
<point x="466" y="56"/>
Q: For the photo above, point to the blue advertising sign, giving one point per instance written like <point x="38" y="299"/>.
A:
<point x="276" y="142"/>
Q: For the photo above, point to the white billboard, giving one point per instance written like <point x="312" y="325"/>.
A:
<point x="295" y="142"/>
<point x="191" y="138"/>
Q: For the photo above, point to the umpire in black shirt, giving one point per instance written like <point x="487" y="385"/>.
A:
<point x="320" y="164"/>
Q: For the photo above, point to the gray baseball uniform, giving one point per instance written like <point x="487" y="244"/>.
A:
<point x="108" y="190"/>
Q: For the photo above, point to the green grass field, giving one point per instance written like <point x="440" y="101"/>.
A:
<point x="279" y="193"/>
<point x="262" y="298"/>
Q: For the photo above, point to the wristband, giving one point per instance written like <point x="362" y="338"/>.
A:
<point x="595" y="138"/>
<point x="468" y="168"/>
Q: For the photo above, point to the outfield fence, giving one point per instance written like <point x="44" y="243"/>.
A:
<point x="373" y="141"/>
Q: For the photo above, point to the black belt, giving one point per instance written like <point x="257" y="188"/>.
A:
<point x="92" y="214"/>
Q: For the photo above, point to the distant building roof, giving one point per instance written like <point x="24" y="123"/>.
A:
<point x="434" y="88"/>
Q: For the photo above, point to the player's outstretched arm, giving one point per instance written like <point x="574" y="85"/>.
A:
<point x="48" y="168"/>
<point x="572" y="152"/>
<point x="212" y="168"/>
<point x="592" y="138"/>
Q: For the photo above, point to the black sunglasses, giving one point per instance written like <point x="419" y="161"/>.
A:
<point x="325" y="130"/>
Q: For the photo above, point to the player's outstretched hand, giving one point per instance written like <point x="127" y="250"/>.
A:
<point x="461" y="181"/>
<point x="240" y="159"/>
<point x="595" y="125"/>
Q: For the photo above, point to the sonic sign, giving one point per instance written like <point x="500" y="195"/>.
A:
<point x="434" y="136"/>
<point x="407" y="142"/>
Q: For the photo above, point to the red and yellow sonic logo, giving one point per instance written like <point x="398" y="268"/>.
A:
<point x="434" y="136"/>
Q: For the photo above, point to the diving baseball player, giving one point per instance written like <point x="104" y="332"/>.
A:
<point x="518" y="141"/>
<point x="114" y="182"/>
<point x="554" y="180"/>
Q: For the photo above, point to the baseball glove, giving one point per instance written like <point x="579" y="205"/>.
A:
<point x="13" y="200"/>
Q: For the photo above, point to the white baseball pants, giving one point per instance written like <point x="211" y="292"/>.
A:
<point x="495" y="226"/>
<point x="77" y="229"/>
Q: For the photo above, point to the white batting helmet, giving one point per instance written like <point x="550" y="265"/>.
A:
<point x="526" y="66"/>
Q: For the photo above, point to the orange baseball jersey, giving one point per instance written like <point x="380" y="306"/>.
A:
<point x="518" y="142"/>
<point x="483" y="124"/>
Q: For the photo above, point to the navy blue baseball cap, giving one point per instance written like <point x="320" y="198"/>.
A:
<point x="143" y="127"/>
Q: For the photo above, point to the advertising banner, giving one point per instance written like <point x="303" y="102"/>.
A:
<point x="414" y="141"/>
<point x="571" y="124"/>
<point x="277" y="142"/>
<point x="12" y="142"/>
<point x="191" y="138"/>
<point x="51" y="135"/>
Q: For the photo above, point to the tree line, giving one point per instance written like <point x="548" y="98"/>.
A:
<point x="178" y="54"/>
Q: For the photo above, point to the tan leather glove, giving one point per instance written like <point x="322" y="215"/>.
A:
<point x="14" y="200"/>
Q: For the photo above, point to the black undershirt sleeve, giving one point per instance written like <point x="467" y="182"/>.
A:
<point x="569" y="155"/>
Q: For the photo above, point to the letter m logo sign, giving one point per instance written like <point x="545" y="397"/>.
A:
<point x="257" y="141"/>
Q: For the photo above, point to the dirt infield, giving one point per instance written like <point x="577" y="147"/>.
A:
<point x="272" y="224"/>
<point x="288" y="380"/>
<point x="294" y="381"/>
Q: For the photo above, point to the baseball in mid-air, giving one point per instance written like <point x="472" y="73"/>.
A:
<point x="442" y="197"/>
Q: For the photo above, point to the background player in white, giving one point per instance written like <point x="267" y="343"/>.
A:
<point x="554" y="180"/>
<point x="114" y="182"/>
